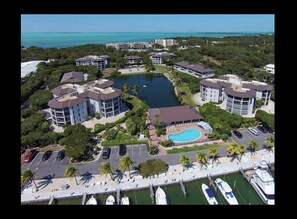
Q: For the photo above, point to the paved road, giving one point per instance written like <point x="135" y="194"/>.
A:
<point x="137" y="153"/>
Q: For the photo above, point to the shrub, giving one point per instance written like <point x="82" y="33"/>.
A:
<point x="99" y="127"/>
<point x="152" y="167"/>
<point x="154" y="150"/>
<point x="97" y="115"/>
<point x="167" y="143"/>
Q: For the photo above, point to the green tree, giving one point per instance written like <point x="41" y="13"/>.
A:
<point x="258" y="103"/>
<point x="213" y="152"/>
<point x="125" y="88"/>
<point x="106" y="169"/>
<point x="70" y="172"/>
<point x="135" y="89"/>
<point x="240" y="150"/>
<point x="202" y="158"/>
<point x="126" y="163"/>
<point x="269" y="142"/>
<point x="184" y="161"/>
<point x="253" y="144"/>
<point x="97" y="115"/>
<point x="232" y="150"/>
<point x="152" y="167"/>
<point x="28" y="176"/>
<point x="167" y="143"/>
<point x="40" y="98"/>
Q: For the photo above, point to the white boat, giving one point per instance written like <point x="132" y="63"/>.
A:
<point x="144" y="85"/>
<point x="160" y="197"/>
<point x="263" y="183"/>
<point x="226" y="191"/>
<point x="110" y="200"/>
<point x="92" y="201"/>
<point x="125" y="200"/>
<point x="209" y="195"/>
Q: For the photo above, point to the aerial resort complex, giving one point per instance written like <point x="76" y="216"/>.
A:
<point x="146" y="118"/>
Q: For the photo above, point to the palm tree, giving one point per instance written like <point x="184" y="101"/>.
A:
<point x="240" y="150"/>
<point x="126" y="162"/>
<point x="125" y="88"/>
<point x="253" y="145"/>
<point x="213" y="152"/>
<point x="106" y="169"/>
<point x="232" y="149"/>
<point x="135" y="89"/>
<point x="71" y="171"/>
<point x="184" y="160"/>
<point x="202" y="158"/>
<point x="269" y="142"/>
<point x="27" y="176"/>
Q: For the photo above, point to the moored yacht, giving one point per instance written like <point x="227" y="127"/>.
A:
<point x="263" y="183"/>
<point x="209" y="195"/>
<point x="160" y="197"/>
<point x="110" y="200"/>
<point x="226" y="191"/>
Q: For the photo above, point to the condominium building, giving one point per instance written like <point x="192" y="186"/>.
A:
<point x="160" y="57"/>
<point x="130" y="45"/>
<point x="133" y="60"/>
<point x="72" y="103"/>
<point x="165" y="42"/>
<point x="194" y="69"/>
<point x="100" y="62"/>
<point x="238" y="96"/>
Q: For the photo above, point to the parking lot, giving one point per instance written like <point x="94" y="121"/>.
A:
<point x="248" y="136"/>
<point x="137" y="153"/>
<point x="46" y="167"/>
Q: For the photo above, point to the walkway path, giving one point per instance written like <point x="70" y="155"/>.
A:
<point x="100" y="184"/>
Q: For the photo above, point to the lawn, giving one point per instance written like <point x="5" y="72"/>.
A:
<point x="194" y="148"/>
<point x="107" y="72"/>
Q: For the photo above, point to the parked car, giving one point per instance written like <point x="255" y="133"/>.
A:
<point x="106" y="152"/>
<point x="262" y="129"/>
<point x="122" y="150"/>
<point x="254" y="131"/>
<point x="30" y="155"/>
<point x="237" y="134"/>
<point x="46" y="155"/>
<point x="269" y="129"/>
<point x="61" y="155"/>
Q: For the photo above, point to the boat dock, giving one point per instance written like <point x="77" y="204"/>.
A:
<point x="152" y="193"/>
<point x="247" y="174"/>
<point x="118" y="196"/>
<point x="211" y="183"/>
<point x="99" y="184"/>
<point x="83" y="201"/>
<point x="183" y="188"/>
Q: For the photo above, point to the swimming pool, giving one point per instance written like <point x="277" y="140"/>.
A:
<point x="187" y="135"/>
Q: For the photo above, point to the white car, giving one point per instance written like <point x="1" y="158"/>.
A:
<point x="254" y="131"/>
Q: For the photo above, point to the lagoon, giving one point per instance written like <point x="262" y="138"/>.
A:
<point x="155" y="89"/>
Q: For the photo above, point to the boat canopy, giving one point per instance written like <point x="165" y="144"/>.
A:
<point x="209" y="192"/>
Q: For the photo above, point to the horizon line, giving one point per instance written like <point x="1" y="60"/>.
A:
<point x="255" y="31"/>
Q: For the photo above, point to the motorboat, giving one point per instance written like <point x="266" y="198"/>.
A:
<point x="226" y="191"/>
<point x="263" y="183"/>
<point x="110" y="200"/>
<point x="160" y="197"/>
<point x="125" y="200"/>
<point x="209" y="195"/>
<point x="144" y="85"/>
<point x="92" y="201"/>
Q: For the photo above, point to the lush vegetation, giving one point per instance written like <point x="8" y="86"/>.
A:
<point x="265" y="118"/>
<point x="192" y="148"/>
<point x="167" y="143"/>
<point x="153" y="150"/>
<point x="40" y="98"/>
<point x="125" y="163"/>
<point x="152" y="167"/>
<point x="235" y="150"/>
<point x="35" y="132"/>
<point x="239" y="55"/>
<point x="222" y="121"/>
<point x="76" y="139"/>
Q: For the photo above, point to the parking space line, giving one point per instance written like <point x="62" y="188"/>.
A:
<point x="132" y="151"/>
<point x="33" y="160"/>
<point x="139" y="151"/>
<point x="55" y="160"/>
<point x="39" y="161"/>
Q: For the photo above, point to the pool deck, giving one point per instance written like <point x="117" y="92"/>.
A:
<point x="173" y="129"/>
<point x="102" y="184"/>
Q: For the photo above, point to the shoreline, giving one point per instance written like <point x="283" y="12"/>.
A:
<point x="100" y="184"/>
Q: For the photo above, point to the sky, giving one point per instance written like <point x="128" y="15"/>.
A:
<point x="147" y="23"/>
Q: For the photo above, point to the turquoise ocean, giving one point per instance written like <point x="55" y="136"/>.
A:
<point x="60" y="39"/>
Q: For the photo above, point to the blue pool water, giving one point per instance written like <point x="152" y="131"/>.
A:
<point x="187" y="135"/>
